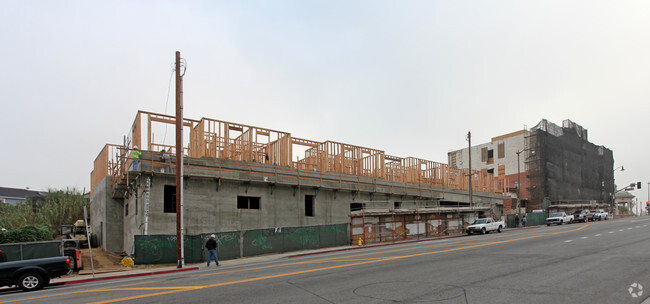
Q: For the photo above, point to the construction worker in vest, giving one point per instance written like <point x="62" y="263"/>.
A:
<point x="135" y="154"/>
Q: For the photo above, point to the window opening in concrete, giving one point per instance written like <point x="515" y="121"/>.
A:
<point x="397" y="205"/>
<point x="136" y="203"/>
<point x="491" y="171"/>
<point x="502" y="150"/>
<point x="356" y="206"/>
<point x="248" y="202"/>
<point x="126" y="209"/>
<point x="490" y="156"/>
<point x="170" y="199"/>
<point x="309" y="205"/>
<point x="484" y="154"/>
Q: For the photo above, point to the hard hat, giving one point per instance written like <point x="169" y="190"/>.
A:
<point x="212" y="236"/>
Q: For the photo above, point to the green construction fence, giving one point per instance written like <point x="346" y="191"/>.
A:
<point x="32" y="250"/>
<point x="161" y="249"/>
<point x="532" y="219"/>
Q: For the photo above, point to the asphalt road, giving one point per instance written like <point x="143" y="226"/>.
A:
<point x="601" y="262"/>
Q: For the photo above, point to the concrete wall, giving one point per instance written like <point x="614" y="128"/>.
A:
<point x="211" y="188"/>
<point x="106" y="217"/>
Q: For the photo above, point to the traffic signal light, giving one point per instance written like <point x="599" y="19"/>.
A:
<point x="638" y="185"/>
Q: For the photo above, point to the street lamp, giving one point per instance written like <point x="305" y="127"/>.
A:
<point x="614" y="211"/>
<point x="519" y="183"/>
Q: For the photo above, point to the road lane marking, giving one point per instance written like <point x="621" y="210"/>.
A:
<point x="597" y="235"/>
<point x="481" y="243"/>
<point x="584" y="237"/>
<point x="629" y="228"/>
<point x="611" y="232"/>
<point x="621" y="230"/>
<point x="448" y="244"/>
<point x="74" y="292"/>
<point x="637" y="227"/>
<point x="334" y="267"/>
<point x="568" y="241"/>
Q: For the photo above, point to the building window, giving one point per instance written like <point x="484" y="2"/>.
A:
<point x="484" y="154"/>
<point x="248" y="202"/>
<point x="491" y="171"/>
<point x="490" y="156"/>
<point x="126" y="209"/>
<point x="356" y="206"/>
<point x="502" y="150"/>
<point x="170" y="199"/>
<point x="309" y="205"/>
<point x="397" y="205"/>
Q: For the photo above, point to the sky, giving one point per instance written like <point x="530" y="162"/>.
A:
<point x="410" y="78"/>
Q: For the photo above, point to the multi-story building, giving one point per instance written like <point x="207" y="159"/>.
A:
<point x="239" y="178"/>
<point x="558" y="167"/>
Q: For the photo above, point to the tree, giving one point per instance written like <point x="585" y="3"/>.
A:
<point x="60" y="207"/>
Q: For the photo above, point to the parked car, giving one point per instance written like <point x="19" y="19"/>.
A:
<point x="32" y="274"/>
<point x="559" y="218"/>
<point x="484" y="225"/>
<point x="583" y="216"/>
<point x="600" y="214"/>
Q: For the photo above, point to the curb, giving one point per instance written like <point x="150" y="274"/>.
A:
<point x="124" y="276"/>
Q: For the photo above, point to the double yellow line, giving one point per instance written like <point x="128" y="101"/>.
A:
<point x="170" y="290"/>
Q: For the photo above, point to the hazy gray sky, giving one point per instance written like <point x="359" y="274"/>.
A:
<point x="407" y="77"/>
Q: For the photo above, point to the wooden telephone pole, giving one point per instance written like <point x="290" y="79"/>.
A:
<point x="179" y="162"/>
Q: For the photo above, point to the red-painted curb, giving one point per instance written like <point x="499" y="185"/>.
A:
<point x="125" y="276"/>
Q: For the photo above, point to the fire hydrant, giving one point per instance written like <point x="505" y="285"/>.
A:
<point x="360" y="242"/>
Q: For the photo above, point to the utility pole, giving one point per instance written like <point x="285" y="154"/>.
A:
<point x="179" y="162"/>
<point x="469" y="153"/>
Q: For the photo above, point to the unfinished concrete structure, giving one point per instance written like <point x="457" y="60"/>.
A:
<point x="239" y="177"/>
<point x="560" y="169"/>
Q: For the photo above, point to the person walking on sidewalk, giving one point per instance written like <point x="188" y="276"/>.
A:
<point x="211" y="245"/>
<point x="524" y="220"/>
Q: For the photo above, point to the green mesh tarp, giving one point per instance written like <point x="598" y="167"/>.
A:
<point x="532" y="219"/>
<point x="155" y="249"/>
<point x="263" y="241"/>
<point x="334" y="235"/>
<point x="31" y="250"/>
<point x="161" y="249"/>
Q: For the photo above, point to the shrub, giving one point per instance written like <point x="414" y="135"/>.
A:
<point x="29" y="233"/>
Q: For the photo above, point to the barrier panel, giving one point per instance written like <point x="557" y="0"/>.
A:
<point x="161" y="249"/>
<point x="32" y="250"/>
<point x="532" y="219"/>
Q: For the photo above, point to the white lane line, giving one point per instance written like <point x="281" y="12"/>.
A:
<point x="568" y="241"/>
<point x="584" y="237"/>
<point x="597" y="235"/>
<point x="621" y="230"/>
<point x="611" y="232"/>
<point x="637" y="227"/>
<point x="629" y="228"/>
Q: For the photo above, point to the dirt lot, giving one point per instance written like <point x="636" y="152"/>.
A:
<point x="102" y="261"/>
<point x="106" y="262"/>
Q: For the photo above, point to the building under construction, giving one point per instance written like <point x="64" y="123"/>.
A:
<point x="557" y="168"/>
<point x="239" y="177"/>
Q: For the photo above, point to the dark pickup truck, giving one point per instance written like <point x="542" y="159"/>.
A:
<point x="32" y="274"/>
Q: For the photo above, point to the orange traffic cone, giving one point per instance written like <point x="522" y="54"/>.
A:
<point x="586" y="220"/>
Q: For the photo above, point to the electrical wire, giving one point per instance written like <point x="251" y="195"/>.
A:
<point x="169" y="86"/>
